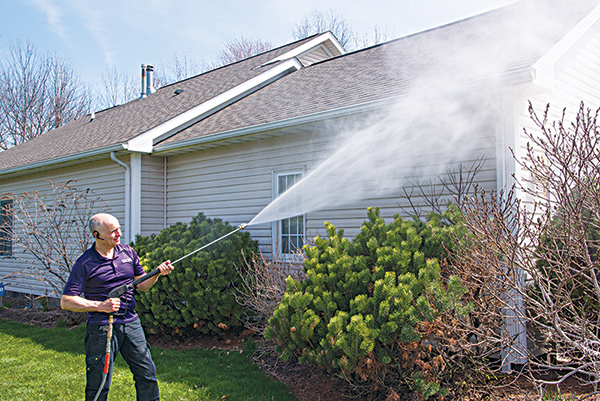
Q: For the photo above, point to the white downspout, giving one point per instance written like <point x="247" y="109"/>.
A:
<point x="127" y="229"/>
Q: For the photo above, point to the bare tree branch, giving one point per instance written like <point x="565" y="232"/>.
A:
<point x="37" y="93"/>
<point x="239" y="49"/>
<point x="319" y="22"/>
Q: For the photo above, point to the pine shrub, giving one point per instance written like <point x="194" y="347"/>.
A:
<point x="367" y="308"/>
<point x="199" y="295"/>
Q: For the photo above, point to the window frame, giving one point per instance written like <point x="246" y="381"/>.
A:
<point x="277" y="226"/>
<point x="6" y="244"/>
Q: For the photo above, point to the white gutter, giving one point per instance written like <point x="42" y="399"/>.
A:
<point x="127" y="231"/>
<point x="135" y="205"/>
<point x="145" y="141"/>
<point x="62" y="159"/>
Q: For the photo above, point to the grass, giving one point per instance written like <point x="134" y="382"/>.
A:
<point x="49" y="364"/>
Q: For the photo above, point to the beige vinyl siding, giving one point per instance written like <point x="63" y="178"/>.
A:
<point x="351" y="217"/>
<point x="577" y="76"/>
<point x="104" y="178"/>
<point x="153" y="206"/>
<point x="234" y="183"/>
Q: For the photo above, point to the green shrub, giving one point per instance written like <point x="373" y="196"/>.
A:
<point x="199" y="295"/>
<point x="367" y="308"/>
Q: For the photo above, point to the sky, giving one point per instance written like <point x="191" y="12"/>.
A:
<point x="97" y="35"/>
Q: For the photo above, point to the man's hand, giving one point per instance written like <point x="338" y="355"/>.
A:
<point x="109" y="305"/>
<point x="165" y="268"/>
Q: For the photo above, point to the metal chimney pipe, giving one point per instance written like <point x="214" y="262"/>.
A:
<point x="144" y="67"/>
<point x="150" y="80"/>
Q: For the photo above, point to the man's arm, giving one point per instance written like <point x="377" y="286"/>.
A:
<point x="165" y="268"/>
<point x="79" y="304"/>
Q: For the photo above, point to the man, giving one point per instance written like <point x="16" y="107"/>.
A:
<point x="108" y="264"/>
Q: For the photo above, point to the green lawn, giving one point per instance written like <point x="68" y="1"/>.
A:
<point x="41" y="364"/>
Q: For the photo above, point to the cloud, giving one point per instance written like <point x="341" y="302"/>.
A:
<point x="54" y="17"/>
<point x="94" y="20"/>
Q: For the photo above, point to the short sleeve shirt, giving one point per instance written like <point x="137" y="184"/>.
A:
<point x="93" y="276"/>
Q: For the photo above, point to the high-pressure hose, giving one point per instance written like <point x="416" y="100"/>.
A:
<point x="106" y="355"/>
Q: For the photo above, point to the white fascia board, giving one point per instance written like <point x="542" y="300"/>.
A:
<point x="62" y="159"/>
<point x="308" y="46"/>
<point x="145" y="141"/>
<point x="542" y="70"/>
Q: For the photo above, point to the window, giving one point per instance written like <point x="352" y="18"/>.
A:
<point x="290" y="231"/>
<point x="6" y="228"/>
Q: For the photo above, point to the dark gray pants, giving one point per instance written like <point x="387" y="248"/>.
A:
<point x="130" y="341"/>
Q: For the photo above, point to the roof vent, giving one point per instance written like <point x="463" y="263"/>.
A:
<point x="150" y="80"/>
<point x="178" y="92"/>
<point x="147" y="80"/>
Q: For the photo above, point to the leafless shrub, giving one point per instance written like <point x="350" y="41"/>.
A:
<point x="531" y="261"/>
<point x="51" y="230"/>
<point x="264" y="283"/>
<point x="455" y="185"/>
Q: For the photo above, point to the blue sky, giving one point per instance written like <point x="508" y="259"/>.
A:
<point x="102" y="34"/>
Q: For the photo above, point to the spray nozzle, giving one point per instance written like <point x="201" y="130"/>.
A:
<point x="242" y="226"/>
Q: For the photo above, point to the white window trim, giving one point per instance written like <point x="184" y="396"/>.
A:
<point x="276" y="225"/>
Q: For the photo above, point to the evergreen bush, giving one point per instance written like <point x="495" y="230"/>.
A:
<point x="199" y="295"/>
<point x="368" y="307"/>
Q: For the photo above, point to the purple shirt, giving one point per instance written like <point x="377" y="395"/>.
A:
<point x="93" y="276"/>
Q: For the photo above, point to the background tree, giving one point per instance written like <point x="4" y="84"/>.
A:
<point x="118" y="87"/>
<point x="38" y="92"/>
<point x="319" y="22"/>
<point x="180" y="66"/>
<point x="239" y="49"/>
<point x="375" y="37"/>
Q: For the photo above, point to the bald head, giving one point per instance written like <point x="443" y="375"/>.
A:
<point x="100" y="220"/>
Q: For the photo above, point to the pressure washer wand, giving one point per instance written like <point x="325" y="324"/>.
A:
<point x="117" y="292"/>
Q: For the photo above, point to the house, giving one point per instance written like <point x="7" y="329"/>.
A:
<point x="386" y="119"/>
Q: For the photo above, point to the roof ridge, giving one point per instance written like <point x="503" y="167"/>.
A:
<point x="291" y="45"/>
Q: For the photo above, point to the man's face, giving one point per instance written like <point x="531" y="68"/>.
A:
<point x="110" y="232"/>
